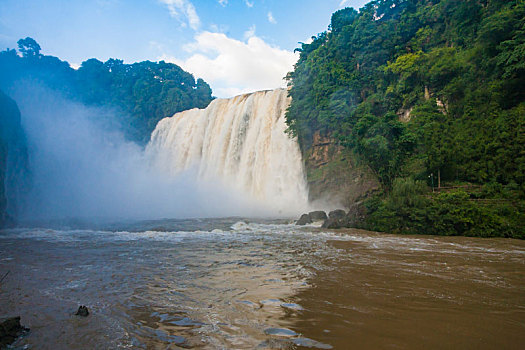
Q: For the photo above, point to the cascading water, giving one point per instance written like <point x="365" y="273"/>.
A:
<point x="240" y="142"/>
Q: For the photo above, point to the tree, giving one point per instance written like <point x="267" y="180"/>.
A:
<point x="29" y="47"/>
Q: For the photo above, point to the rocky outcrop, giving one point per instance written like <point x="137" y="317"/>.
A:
<point x="356" y="215"/>
<point x="317" y="215"/>
<point x="10" y="329"/>
<point x="405" y="114"/>
<point x="336" y="219"/>
<point x="304" y="219"/>
<point x="335" y="176"/>
<point x="13" y="159"/>
<point x="340" y="219"/>
<point x="337" y="214"/>
<point x="311" y="217"/>
<point x="332" y="223"/>
<point x="82" y="311"/>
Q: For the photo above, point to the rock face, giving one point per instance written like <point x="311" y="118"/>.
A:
<point x="335" y="219"/>
<point x="334" y="175"/>
<point x="340" y="219"/>
<point x="312" y="216"/>
<point x="13" y="159"/>
<point x="332" y="223"/>
<point x="356" y="215"/>
<point x="304" y="219"/>
<point x="337" y="214"/>
<point x="317" y="215"/>
<point x="10" y="329"/>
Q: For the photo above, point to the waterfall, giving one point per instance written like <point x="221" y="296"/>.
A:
<point x="240" y="143"/>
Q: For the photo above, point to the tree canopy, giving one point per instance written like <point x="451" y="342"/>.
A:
<point x="454" y="68"/>
<point x="142" y="93"/>
<point x="417" y="87"/>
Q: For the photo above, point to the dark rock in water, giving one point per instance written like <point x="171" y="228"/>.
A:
<point x="10" y="329"/>
<point x="304" y="219"/>
<point x="82" y="311"/>
<point x="332" y="223"/>
<point x="339" y="219"/>
<point x="356" y="215"/>
<point x="337" y="214"/>
<point x="317" y="215"/>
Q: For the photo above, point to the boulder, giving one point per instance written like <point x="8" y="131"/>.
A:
<point x="337" y="214"/>
<point x="82" y="311"/>
<point x="332" y="223"/>
<point x="10" y="329"/>
<point x="356" y="215"/>
<point x="317" y="215"/>
<point x="304" y="219"/>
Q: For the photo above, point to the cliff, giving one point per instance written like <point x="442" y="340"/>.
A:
<point x="13" y="159"/>
<point x="334" y="174"/>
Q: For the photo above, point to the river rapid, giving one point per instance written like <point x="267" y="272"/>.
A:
<point x="265" y="284"/>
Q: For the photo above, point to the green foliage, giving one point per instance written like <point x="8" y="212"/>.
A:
<point x="408" y="210"/>
<point x="454" y="69"/>
<point x="142" y="93"/>
<point x="29" y="47"/>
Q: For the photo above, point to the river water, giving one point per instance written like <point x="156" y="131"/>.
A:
<point x="241" y="284"/>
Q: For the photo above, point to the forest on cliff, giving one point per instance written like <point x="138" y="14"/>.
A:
<point x="425" y="93"/>
<point x="140" y="93"/>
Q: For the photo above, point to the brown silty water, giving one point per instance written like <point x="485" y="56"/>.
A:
<point x="222" y="284"/>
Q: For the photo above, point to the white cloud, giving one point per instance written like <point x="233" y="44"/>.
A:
<point x="353" y="3"/>
<point x="250" y="32"/>
<point x="184" y="8"/>
<point x="223" y="2"/>
<point x="222" y="28"/>
<point x="233" y="67"/>
<point x="271" y="19"/>
<point x="248" y="3"/>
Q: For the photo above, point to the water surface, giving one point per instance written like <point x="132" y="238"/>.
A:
<point x="232" y="284"/>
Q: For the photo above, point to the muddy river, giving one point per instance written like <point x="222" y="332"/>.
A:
<point x="241" y="284"/>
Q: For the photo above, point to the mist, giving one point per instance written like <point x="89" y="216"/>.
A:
<point x="81" y="166"/>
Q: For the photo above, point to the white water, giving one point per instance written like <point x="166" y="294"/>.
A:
<point x="239" y="143"/>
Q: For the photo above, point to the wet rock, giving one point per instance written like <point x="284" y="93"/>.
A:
<point x="332" y="223"/>
<point x="336" y="219"/>
<point x="82" y="311"/>
<point x="356" y="215"/>
<point x="304" y="219"/>
<point x="337" y="214"/>
<point x="10" y="329"/>
<point x="317" y="215"/>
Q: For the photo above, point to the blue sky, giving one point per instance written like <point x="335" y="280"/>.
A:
<point x="235" y="45"/>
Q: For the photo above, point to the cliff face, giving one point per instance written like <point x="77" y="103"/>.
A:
<point x="334" y="174"/>
<point x="13" y="159"/>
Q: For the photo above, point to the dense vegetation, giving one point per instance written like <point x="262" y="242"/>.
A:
<point x="421" y="89"/>
<point x="141" y="93"/>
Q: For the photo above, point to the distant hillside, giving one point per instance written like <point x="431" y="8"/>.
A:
<point x="422" y="93"/>
<point x="142" y="93"/>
